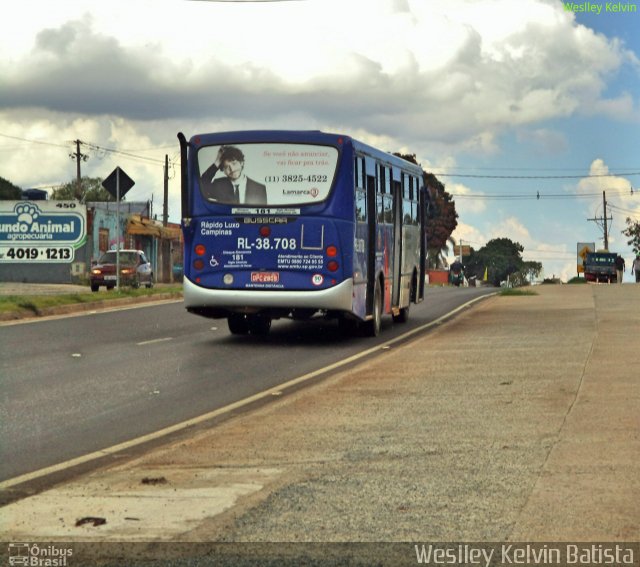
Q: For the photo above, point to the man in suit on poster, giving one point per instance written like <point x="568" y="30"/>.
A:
<point x="235" y="187"/>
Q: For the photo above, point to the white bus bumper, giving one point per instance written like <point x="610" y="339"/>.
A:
<point x="339" y="297"/>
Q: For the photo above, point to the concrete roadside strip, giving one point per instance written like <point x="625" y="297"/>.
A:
<point x="517" y="420"/>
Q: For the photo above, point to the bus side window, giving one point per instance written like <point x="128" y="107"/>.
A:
<point x="407" y="213"/>
<point x="415" y="201"/>
<point x="379" y="194"/>
<point x="380" y="207"/>
<point x="361" y="206"/>
<point x="358" y="172"/>
<point x="396" y="189"/>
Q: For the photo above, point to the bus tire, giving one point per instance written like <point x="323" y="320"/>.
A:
<point x="375" y="324"/>
<point x="259" y="324"/>
<point x="238" y="324"/>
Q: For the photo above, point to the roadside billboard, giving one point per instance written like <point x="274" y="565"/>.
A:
<point x="462" y="250"/>
<point x="41" y="231"/>
<point x="583" y="249"/>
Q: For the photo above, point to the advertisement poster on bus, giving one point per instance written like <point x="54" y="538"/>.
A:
<point x="267" y="174"/>
<point x="41" y="231"/>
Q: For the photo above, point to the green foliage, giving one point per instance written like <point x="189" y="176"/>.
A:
<point x="518" y="279"/>
<point x="632" y="232"/>
<point x="511" y="291"/>
<point x="500" y="257"/>
<point x="442" y="219"/>
<point x="15" y="306"/>
<point x="9" y="191"/>
<point x="90" y="189"/>
<point x="577" y="280"/>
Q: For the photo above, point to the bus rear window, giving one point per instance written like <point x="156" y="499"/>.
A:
<point x="267" y="174"/>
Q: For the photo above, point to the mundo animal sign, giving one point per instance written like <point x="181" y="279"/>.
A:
<point x="41" y="231"/>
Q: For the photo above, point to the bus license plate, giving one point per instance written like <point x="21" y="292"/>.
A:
<point x="265" y="277"/>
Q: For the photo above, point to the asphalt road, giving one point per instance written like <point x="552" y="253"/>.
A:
<point x="74" y="385"/>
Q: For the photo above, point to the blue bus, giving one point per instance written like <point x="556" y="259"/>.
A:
<point x="300" y="224"/>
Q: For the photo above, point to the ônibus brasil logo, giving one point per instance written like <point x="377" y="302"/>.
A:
<point x="28" y="223"/>
<point x="38" y="555"/>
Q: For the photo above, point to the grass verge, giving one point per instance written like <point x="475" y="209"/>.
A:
<point x="37" y="304"/>
<point x="517" y="291"/>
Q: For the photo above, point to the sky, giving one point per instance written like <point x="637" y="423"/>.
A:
<point x="527" y="110"/>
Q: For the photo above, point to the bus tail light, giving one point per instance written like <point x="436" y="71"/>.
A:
<point x="200" y="250"/>
<point x="265" y="231"/>
<point x="333" y="266"/>
<point x="198" y="264"/>
<point x="332" y="251"/>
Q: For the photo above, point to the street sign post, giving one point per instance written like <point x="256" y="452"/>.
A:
<point x="118" y="183"/>
<point x="583" y="249"/>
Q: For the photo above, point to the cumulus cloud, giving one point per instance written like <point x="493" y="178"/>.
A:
<point x="449" y="71"/>
<point x="439" y="78"/>
<point x="622" y="200"/>
<point x="468" y="201"/>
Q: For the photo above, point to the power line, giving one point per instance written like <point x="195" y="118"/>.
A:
<point x="632" y="213"/>
<point x="95" y="147"/>
<point x="123" y="153"/>
<point x="590" y="176"/>
<point x="33" y="141"/>
<point x="495" y="168"/>
<point x="537" y="196"/>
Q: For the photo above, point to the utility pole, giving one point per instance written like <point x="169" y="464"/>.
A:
<point x="606" y="230"/>
<point x="78" y="156"/>
<point x="165" y="209"/>
<point x="167" y="272"/>
<point x="604" y="220"/>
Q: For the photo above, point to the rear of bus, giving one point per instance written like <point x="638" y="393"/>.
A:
<point x="268" y="222"/>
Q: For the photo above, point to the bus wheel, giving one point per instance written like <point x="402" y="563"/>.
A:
<point x="259" y="324"/>
<point x="375" y="324"/>
<point x="238" y="324"/>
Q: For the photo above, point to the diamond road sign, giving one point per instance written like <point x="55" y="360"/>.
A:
<point x="118" y="176"/>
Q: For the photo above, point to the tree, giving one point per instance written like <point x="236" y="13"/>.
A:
<point x="9" y="191"/>
<point x="500" y="258"/>
<point x="632" y="232"/>
<point x="442" y="220"/>
<point x="532" y="269"/>
<point x="90" y="189"/>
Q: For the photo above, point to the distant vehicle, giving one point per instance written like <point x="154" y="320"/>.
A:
<point x="600" y="267"/>
<point x="456" y="274"/>
<point x="135" y="269"/>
